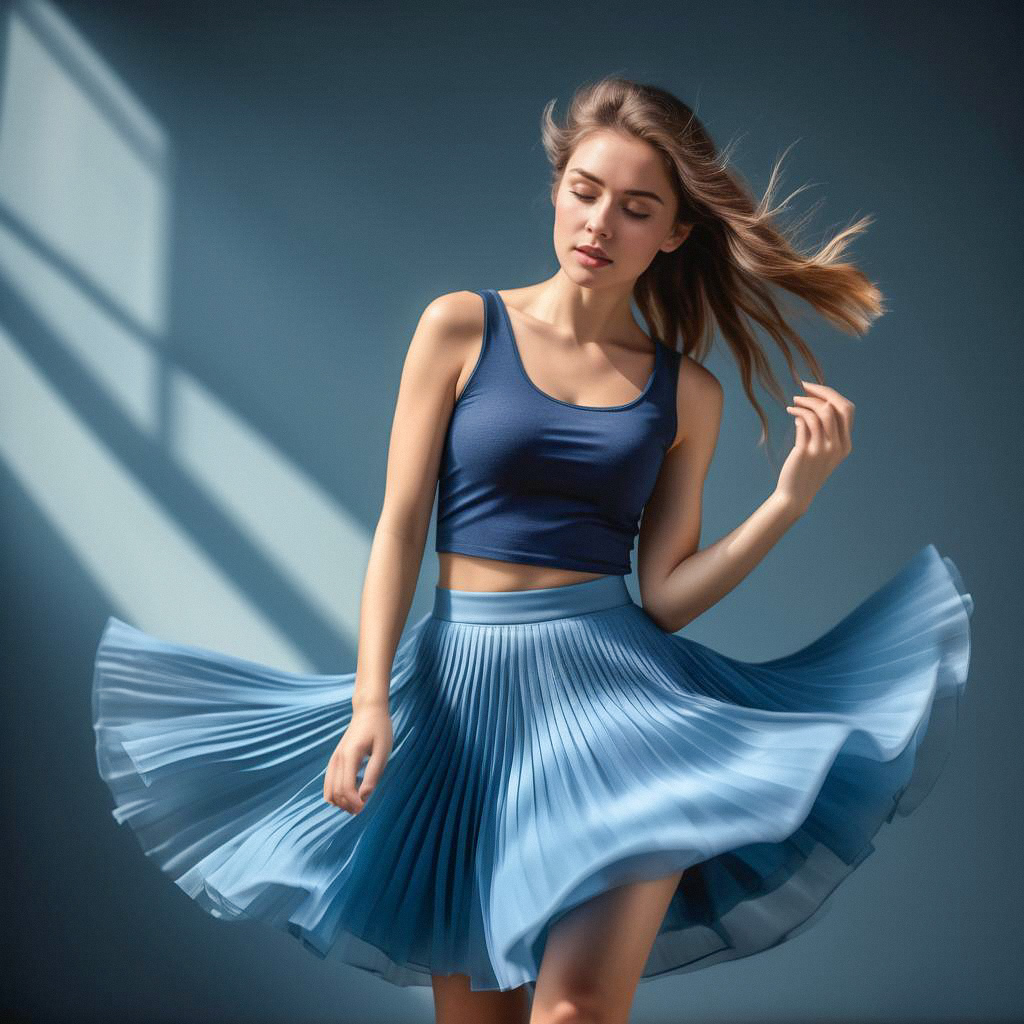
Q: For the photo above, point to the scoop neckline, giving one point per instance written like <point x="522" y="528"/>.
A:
<point x="559" y="401"/>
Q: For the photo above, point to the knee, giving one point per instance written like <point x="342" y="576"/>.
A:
<point x="575" y="1010"/>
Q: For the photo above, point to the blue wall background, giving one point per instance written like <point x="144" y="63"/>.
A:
<point x="219" y="224"/>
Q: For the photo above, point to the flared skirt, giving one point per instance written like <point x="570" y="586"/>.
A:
<point x="548" y="745"/>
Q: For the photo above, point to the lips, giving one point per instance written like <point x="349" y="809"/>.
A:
<point x="590" y="250"/>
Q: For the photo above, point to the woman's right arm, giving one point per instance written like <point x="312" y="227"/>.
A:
<point x="440" y="357"/>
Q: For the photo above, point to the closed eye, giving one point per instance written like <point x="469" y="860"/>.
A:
<point x="629" y="213"/>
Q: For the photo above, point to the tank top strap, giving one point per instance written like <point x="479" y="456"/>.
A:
<point x="495" y="366"/>
<point x="667" y="374"/>
<point x="499" y="364"/>
<point x="665" y="390"/>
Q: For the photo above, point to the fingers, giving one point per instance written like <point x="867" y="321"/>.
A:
<point x="340" y="779"/>
<point x="811" y="423"/>
<point x="348" y="796"/>
<point x="844" y="410"/>
<point x="824" y="391"/>
<point x="371" y="775"/>
<point x="824" y="413"/>
<point x="802" y="432"/>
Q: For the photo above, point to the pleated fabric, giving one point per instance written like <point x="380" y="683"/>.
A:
<point x="547" y="747"/>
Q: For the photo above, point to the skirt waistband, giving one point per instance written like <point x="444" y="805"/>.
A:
<point x="489" y="606"/>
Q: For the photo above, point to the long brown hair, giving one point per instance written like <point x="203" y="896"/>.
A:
<point x="737" y="248"/>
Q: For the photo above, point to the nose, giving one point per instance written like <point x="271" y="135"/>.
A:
<point x="597" y="222"/>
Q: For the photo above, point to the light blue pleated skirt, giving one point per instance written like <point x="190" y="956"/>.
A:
<point x="548" y="745"/>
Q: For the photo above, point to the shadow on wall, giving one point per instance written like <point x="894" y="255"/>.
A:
<point x="159" y="487"/>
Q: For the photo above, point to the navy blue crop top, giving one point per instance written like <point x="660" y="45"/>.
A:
<point x="526" y="477"/>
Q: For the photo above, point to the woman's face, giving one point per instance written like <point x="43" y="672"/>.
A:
<point x="615" y="195"/>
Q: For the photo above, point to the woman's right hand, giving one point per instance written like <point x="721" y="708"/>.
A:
<point x="369" y="734"/>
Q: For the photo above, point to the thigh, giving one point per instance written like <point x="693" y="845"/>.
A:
<point x="456" y="1003"/>
<point x="595" y="955"/>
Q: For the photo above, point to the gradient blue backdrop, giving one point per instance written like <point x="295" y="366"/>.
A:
<point x="219" y="223"/>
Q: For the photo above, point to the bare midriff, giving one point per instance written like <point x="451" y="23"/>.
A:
<point x="470" y="572"/>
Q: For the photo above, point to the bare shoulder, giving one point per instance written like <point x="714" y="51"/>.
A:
<point x="455" y="312"/>
<point x="699" y="401"/>
<point x="449" y="333"/>
<point x="699" y="380"/>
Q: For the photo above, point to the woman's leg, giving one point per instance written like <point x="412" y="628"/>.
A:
<point x="595" y="955"/>
<point x="455" y="1003"/>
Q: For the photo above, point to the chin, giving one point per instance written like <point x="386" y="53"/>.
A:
<point x="577" y="273"/>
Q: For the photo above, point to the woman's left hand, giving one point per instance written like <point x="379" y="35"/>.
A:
<point x="824" y="429"/>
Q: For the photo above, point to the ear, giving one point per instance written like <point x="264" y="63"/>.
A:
<point x="678" y="236"/>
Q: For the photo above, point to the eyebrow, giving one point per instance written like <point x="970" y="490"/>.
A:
<point x="628" y="191"/>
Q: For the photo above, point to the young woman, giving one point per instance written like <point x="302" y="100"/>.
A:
<point x="543" y="794"/>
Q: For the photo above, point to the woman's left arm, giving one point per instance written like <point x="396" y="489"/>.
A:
<point x="677" y="581"/>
